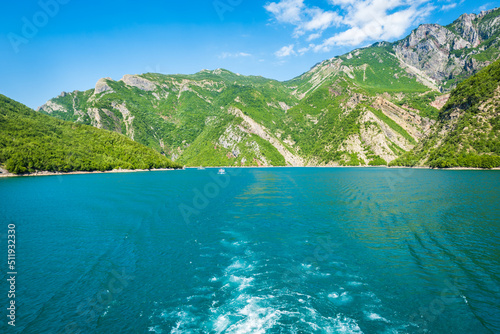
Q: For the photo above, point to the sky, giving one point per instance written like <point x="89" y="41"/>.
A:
<point x="51" y="46"/>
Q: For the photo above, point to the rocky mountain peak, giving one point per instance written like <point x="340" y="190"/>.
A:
<point x="489" y="23"/>
<point x="486" y="12"/>
<point x="447" y="53"/>
<point x="466" y="27"/>
<point x="137" y="81"/>
<point x="102" y="86"/>
<point x="435" y="35"/>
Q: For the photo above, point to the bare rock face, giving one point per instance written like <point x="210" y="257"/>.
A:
<point x="409" y="121"/>
<point x="141" y="83"/>
<point x="466" y="28"/>
<point x="127" y="118"/>
<point x="488" y="28"/>
<point x="50" y="107"/>
<point x="474" y="29"/>
<point x="435" y="50"/>
<point x="428" y="49"/>
<point x="102" y="86"/>
<point x="95" y="117"/>
<point x="440" y="101"/>
<point x="426" y="32"/>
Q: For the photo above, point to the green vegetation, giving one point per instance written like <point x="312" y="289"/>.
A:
<point x="185" y="116"/>
<point x="378" y="161"/>
<point x="354" y="160"/>
<point x="474" y="90"/>
<point x="474" y="140"/>
<point x="491" y="15"/>
<point x="319" y="126"/>
<point x="422" y="103"/>
<point x="30" y="142"/>
<point x="377" y="71"/>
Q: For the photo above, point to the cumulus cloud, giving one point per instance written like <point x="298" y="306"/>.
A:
<point x="356" y="22"/>
<point x="288" y="11"/>
<point x="285" y="51"/>
<point x="306" y="20"/>
<point x="371" y="20"/>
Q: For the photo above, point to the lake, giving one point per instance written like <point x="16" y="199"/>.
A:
<point x="278" y="250"/>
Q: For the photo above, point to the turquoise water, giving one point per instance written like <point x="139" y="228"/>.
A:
<point x="305" y="250"/>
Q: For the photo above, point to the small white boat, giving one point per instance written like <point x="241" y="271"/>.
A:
<point x="222" y="171"/>
<point x="201" y="168"/>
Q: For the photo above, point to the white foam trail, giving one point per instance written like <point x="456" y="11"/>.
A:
<point x="344" y="325"/>
<point x="254" y="318"/>
<point x="340" y="298"/>
<point x="375" y="317"/>
<point x="242" y="282"/>
<point x="155" y="329"/>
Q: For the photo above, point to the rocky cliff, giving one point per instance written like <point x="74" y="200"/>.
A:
<point x="450" y="54"/>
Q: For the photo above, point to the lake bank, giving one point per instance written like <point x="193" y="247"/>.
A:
<point x="387" y="167"/>
<point x="5" y="173"/>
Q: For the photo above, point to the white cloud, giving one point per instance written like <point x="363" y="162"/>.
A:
<point x="450" y="4"/>
<point x="306" y="20"/>
<point x="287" y="11"/>
<point x="448" y="7"/>
<point x="313" y="37"/>
<point x="285" y="51"/>
<point x="225" y="55"/>
<point x="306" y="49"/>
<point x="381" y="26"/>
<point x="320" y="20"/>
<point x="357" y="21"/>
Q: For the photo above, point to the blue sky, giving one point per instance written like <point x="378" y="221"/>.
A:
<point x="50" y="46"/>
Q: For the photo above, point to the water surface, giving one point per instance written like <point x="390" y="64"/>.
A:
<point x="284" y="250"/>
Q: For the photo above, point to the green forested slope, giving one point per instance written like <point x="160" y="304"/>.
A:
<point x="31" y="141"/>
<point x="468" y="131"/>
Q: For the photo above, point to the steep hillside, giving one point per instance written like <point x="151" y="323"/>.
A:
<point x="468" y="131"/>
<point x="366" y="107"/>
<point x="220" y="118"/>
<point x="448" y="55"/>
<point x="353" y="108"/>
<point x="30" y="142"/>
<point x="201" y="119"/>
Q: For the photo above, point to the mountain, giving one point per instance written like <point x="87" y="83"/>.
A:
<point x="447" y="55"/>
<point x="367" y="107"/>
<point x="195" y="119"/>
<point x="30" y="142"/>
<point x="468" y="131"/>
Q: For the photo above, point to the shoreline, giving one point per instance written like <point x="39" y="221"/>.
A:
<point x="387" y="167"/>
<point x="4" y="173"/>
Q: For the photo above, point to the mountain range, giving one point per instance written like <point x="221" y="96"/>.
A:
<point x="398" y="103"/>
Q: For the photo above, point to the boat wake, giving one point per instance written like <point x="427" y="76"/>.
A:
<point x="251" y="294"/>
